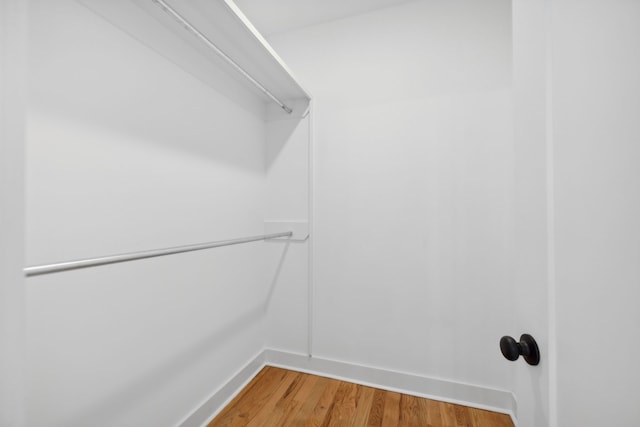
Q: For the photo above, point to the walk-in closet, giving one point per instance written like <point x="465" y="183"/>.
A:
<point x="306" y="212"/>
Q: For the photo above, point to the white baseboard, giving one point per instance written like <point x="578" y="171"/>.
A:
<point x="433" y="388"/>
<point x="208" y="409"/>
<point x="437" y="389"/>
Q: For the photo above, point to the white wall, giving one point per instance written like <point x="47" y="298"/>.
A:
<point x="596" y="138"/>
<point x="128" y="152"/>
<point x="414" y="189"/>
<point x="287" y="163"/>
<point x="12" y="293"/>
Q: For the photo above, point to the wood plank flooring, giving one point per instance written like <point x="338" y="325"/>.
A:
<point x="279" y="397"/>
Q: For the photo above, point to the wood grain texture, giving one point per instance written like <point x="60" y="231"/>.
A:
<point x="279" y="397"/>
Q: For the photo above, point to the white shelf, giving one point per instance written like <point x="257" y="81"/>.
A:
<point x="222" y="22"/>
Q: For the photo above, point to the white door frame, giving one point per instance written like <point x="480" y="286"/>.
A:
<point x="13" y="43"/>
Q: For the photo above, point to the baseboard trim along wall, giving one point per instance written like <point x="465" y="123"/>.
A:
<point x="447" y="391"/>
<point x="208" y="409"/>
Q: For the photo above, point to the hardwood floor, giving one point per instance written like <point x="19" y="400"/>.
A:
<point x="279" y="397"/>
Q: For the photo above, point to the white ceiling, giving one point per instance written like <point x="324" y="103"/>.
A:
<point x="277" y="16"/>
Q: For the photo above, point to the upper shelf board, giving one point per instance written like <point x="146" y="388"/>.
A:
<point x="224" y="24"/>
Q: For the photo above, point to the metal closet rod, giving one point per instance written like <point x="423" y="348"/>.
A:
<point x="38" y="270"/>
<point x="171" y="11"/>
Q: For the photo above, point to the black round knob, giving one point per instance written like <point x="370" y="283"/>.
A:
<point x="527" y="347"/>
<point x="510" y="348"/>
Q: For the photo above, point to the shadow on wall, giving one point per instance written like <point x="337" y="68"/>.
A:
<point x="276" y="275"/>
<point x="281" y="126"/>
<point x="156" y="379"/>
